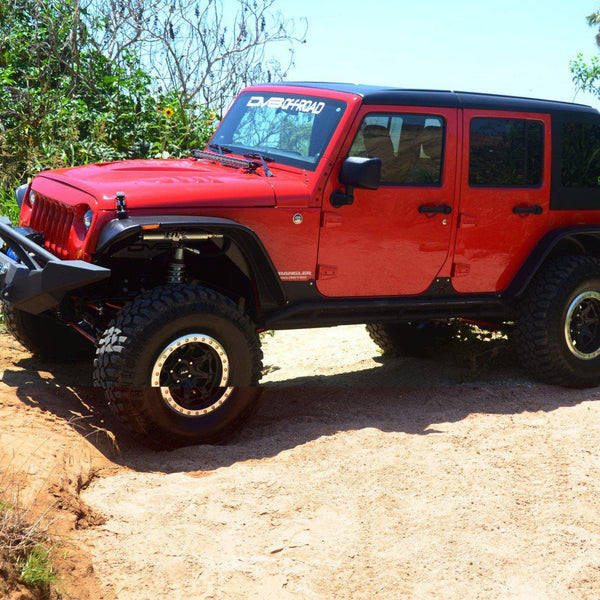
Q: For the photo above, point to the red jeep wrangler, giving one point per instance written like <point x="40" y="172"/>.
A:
<point x="313" y="205"/>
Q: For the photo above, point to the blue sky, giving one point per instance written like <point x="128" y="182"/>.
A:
<point x="509" y="47"/>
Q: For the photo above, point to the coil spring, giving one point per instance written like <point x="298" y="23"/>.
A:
<point x="176" y="269"/>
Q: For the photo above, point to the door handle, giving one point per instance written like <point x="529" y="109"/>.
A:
<point x="528" y="210"/>
<point x="441" y="208"/>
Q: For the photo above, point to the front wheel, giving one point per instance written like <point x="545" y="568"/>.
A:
<point x="558" y="327"/>
<point x="179" y="366"/>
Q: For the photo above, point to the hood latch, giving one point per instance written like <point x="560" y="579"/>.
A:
<point x="121" y="206"/>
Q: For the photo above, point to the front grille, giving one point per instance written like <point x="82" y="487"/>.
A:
<point x="54" y="220"/>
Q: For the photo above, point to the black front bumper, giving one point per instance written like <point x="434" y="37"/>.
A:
<point x="36" y="280"/>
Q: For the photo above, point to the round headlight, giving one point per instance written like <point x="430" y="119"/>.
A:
<point x="32" y="197"/>
<point x="87" y="218"/>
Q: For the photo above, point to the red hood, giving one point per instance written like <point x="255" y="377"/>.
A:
<point x="174" y="183"/>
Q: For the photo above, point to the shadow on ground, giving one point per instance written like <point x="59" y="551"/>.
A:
<point x="398" y="395"/>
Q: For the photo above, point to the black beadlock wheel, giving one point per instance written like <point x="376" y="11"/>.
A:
<point x="557" y="333"/>
<point x="179" y="366"/>
<point x="415" y="339"/>
<point x="45" y="337"/>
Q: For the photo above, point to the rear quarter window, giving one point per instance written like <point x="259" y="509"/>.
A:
<point x="580" y="155"/>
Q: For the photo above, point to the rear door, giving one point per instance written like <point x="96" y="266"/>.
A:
<point x="394" y="240"/>
<point x="505" y="189"/>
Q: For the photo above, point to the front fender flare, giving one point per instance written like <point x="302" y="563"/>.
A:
<point x="269" y="287"/>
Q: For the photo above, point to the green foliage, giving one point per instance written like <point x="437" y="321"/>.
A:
<point x="586" y="74"/>
<point x="8" y="204"/>
<point x="264" y="334"/>
<point x="24" y="551"/>
<point x="36" y="569"/>
<point x="593" y="19"/>
<point x="64" y="103"/>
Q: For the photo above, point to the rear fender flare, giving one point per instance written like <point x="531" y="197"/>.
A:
<point x="584" y="239"/>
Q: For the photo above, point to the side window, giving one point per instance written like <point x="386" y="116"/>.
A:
<point x="580" y="155"/>
<point x="506" y="152"/>
<point x="410" y="147"/>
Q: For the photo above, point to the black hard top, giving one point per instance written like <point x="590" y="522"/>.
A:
<point x="398" y="96"/>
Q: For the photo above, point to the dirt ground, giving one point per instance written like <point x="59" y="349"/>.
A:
<point x="452" y="478"/>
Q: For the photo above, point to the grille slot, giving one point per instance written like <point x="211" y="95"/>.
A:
<point x="54" y="220"/>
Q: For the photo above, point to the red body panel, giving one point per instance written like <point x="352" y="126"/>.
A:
<point x="292" y="247"/>
<point x="381" y="245"/>
<point x="175" y="183"/>
<point x="202" y="187"/>
<point x="491" y="241"/>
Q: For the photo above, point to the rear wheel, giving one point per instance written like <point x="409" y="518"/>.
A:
<point x="179" y="366"/>
<point x="47" y="338"/>
<point x="415" y="339"/>
<point x="558" y="327"/>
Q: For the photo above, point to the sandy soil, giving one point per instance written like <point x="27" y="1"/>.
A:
<point x="450" y="478"/>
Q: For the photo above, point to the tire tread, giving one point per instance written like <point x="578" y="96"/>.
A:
<point x="115" y="360"/>
<point x="538" y="348"/>
<point x="46" y="338"/>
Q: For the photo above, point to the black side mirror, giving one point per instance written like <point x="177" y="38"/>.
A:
<point x="360" y="172"/>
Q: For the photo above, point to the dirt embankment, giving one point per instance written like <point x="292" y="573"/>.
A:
<point x="52" y="444"/>
<point x="358" y="477"/>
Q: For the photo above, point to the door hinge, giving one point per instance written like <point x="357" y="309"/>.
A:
<point x="459" y="269"/>
<point x="466" y="221"/>
<point x="331" y="219"/>
<point x="326" y="272"/>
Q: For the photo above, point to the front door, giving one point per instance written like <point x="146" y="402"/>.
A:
<point x="394" y="240"/>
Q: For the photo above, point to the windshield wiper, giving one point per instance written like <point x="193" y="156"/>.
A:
<point x="221" y="149"/>
<point x="263" y="159"/>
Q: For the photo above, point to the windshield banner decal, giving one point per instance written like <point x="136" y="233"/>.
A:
<point x="299" y="104"/>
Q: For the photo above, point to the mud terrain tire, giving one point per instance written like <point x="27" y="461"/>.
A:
<point x="415" y="339"/>
<point x="557" y="334"/>
<point x="45" y="337"/>
<point x="165" y="338"/>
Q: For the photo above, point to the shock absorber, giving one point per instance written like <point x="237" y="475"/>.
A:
<point x="176" y="270"/>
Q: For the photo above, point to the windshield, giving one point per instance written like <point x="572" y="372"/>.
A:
<point x="288" y="128"/>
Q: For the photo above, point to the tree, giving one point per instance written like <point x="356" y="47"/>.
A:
<point x="201" y="51"/>
<point x="586" y="73"/>
<point x="63" y="102"/>
<point x="94" y="80"/>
